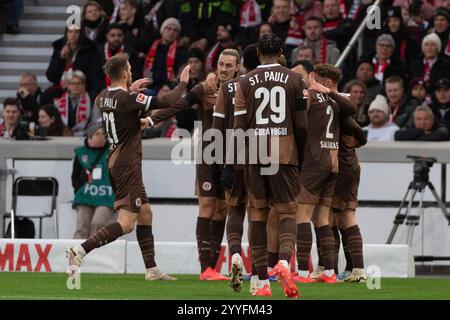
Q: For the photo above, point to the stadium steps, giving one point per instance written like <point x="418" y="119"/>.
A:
<point x="43" y="22"/>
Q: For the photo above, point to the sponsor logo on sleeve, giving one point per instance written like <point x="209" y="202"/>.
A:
<point x="141" y="98"/>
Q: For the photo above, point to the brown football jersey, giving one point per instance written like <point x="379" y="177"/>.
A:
<point x="121" y="112"/>
<point x="268" y="98"/>
<point x="322" y="143"/>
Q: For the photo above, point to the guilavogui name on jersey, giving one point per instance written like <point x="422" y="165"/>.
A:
<point x="269" y="76"/>
<point x="271" y="131"/>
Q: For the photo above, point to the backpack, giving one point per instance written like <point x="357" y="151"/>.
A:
<point x="24" y="228"/>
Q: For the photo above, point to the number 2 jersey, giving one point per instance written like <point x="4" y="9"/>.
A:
<point x="121" y="111"/>
<point x="272" y="100"/>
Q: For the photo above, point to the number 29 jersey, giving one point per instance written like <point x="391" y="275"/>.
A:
<point x="270" y="96"/>
<point x="121" y="112"/>
<point x="322" y="143"/>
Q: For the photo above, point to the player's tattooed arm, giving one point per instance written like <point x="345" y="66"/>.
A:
<point x="350" y="125"/>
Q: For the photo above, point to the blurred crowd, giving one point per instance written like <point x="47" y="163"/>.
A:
<point x="399" y="75"/>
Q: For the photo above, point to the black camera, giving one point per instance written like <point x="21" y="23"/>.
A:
<point x="422" y="167"/>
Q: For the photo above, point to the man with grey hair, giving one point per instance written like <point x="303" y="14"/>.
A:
<point x="384" y="62"/>
<point x="426" y="127"/>
<point x="30" y="96"/>
<point x="380" y="129"/>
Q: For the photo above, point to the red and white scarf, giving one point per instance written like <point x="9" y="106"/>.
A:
<point x="250" y="14"/>
<point x="329" y="25"/>
<point x="211" y="55"/>
<point x="380" y="68"/>
<point x="427" y="66"/>
<point x="108" y="55"/>
<point x="343" y="8"/>
<point x="170" y="60"/>
<point x="295" y="34"/>
<point x="83" y="109"/>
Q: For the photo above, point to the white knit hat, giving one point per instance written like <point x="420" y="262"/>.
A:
<point x="379" y="103"/>
<point x="168" y="21"/>
<point x="434" y="38"/>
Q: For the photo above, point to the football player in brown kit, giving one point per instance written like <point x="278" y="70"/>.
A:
<point x="319" y="169"/>
<point x="345" y="201"/>
<point x="232" y="177"/>
<point x="210" y="193"/>
<point x="122" y="107"/>
<point x="270" y="105"/>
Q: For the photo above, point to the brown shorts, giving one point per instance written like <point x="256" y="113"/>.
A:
<point x="346" y="189"/>
<point x="207" y="181"/>
<point x="129" y="190"/>
<point x="237" y="195"/>
<point x="279" y="190"/>
<point x="316" y="187"/>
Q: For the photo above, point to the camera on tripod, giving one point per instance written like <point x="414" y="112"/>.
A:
<point x="422" y="167"/>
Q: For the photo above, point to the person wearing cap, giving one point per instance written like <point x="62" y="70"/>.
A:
<point x="225" y="34"/>
<point x="165" y="57"/>
<point x="115" y="43"/>
<point x="405" y="46"/>
<point x="442" y="28"/>
<point x="384" y="62"/>
<point x="430" y="65"/>
<point x="426" y="127"/>
<point x="380" y="129"/>
<point x="441" y="101"/>
<point x="74" y="52"/>
<point x="94" y="198"/>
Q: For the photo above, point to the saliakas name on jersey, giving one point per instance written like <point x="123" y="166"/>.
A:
<point x="271" y="131"/>
<point x="329" y="145"/>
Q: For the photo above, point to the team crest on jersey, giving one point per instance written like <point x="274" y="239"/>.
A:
<point x="85" y="158"/>
<point x="138" y="202"/>
<point x="141" y="98"/>
<point x="206" y="186"/>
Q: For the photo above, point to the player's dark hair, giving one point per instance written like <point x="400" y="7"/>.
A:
<point x="270" y="45"/>
<point x="326" y="70"/>
<point x="307" y="66"/>
<point x="251" y="60"/>
<point x="116" y="65"/>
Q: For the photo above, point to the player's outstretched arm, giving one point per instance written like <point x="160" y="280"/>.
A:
<point x="174" y="95"/>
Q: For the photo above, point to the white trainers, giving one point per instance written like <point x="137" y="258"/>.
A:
<point x="357" y="275"/>
<point x="154" y="273"/>
<point x="316" y="273"/>
<point x="236" y="278"/>
<point x="254" y="281"/>
<point x="75" y="255"/>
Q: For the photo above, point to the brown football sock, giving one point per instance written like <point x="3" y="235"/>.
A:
<point x="144" y="237"/>
<point x="319" y="250"/>
<point x="216" y="231"/>
<point x="235" y="228"/>
<point x="337" y="245"/>
<point x="258" y="238"/>
<point x="304" y="243"/>
<point x="355" y="246"/>
<point x="103" y="236"/>
<point x="348" y="257"/>
<point x="288" y="235"/>
<point x="254" y="271"/>
<point x="272" y="259"/>
<point x="327" y="246"/>
<point x="203" y="246"/>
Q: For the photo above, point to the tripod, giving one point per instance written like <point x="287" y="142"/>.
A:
<point x="418" y="185"/>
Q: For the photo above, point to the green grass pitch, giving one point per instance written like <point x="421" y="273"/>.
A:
<point x="188" y="287"/>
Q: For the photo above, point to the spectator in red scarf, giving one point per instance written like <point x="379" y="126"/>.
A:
<point x="115" y="43"/>
<point x="335" y="26"/>
<point x="384" y="62"/>
<point x="395" y="93"/>
<point x="430" y="65"/>
<point x="165" y="57"/>
<point x="74" y="52"/>
<point x="76" y="106"/>
<point x="251" y="15"/>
